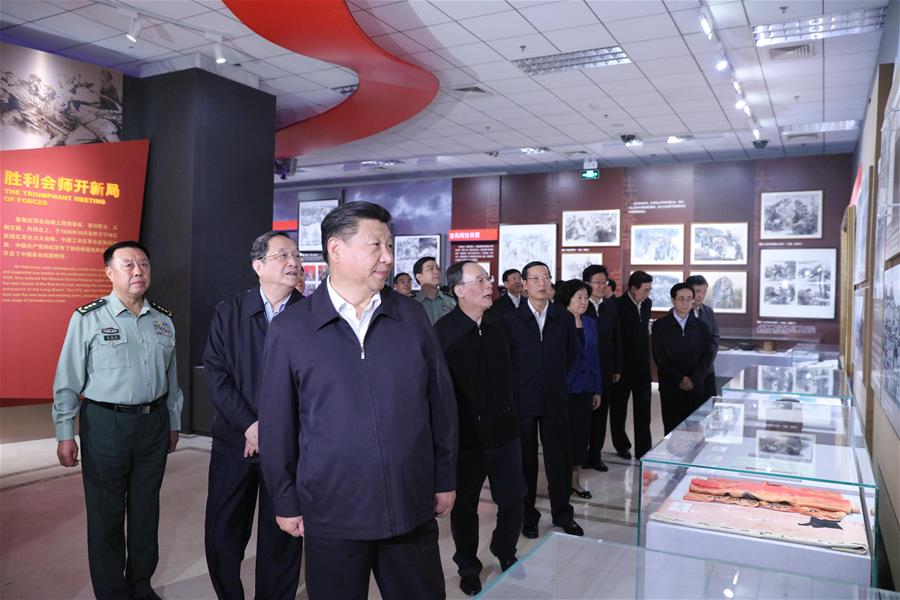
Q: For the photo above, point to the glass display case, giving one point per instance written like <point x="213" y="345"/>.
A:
<point x="776" y="483"/>
<point x="564" y="566"/>
<point x="813" y="382"/>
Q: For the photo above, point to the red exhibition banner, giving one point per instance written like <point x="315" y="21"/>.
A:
<point x="59" y="209"/>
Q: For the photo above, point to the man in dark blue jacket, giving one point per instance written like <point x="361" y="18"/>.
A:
<point x="476" y="346"/>
<point x="233" y="364"/>
<point x="358" y="422"/>
<point x="544" y="344"/>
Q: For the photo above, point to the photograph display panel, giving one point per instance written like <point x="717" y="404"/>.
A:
<point x="309" y="223"/>
<point x="727" y="292"/>
<point x="719" y="243"/>
<point x="662" y="283"/>
<point x="590" y="228"/>
<point x="797" y="283"/>
<point x="522" y="244"/>
<point x="574" y="264"/>
<point x="890" y="365"/>
<point x="410" y="248"/>
<point x="314" y="275"/>
<point x="657" y="244"/>
<point x="790" y="215"/>
<point x="861" y="246"/>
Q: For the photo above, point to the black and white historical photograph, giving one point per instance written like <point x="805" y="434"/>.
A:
<point x="719" y="243"/>
<point x="785" y="446"/>
<point x="573" y="264"/>
<point x="817" y="381"/>
<point x="521" y="244"/>
<point x="590" y="228"/>
<point x="727" y="292"/>
<point x="410" y="248"/>
<point x="890" y="365"/>
<point x="310" y="215"/>
<point x="861" y="241"/>
<point x="48" y="100"/>
<point x="773" y="378"/>
<point x="662" y="283"/>
<point x="790" y="215"/>
<point x="724" y="424"/>
<point x="797" y="283"/>
<point x="657" y="244"/>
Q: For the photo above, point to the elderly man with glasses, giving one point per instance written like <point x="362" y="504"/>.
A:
<point x="683" y="351"/>
<point x="233" y="364"/>
<point x="477" y="348"/>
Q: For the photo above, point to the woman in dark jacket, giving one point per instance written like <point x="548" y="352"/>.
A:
<point x="585" y="380"/>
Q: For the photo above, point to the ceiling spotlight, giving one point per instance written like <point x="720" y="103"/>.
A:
<point x="635" y="143"/>
<point x="736" y="86"/>
<point x="134" y="30"/>
<point x="756" y="134"/>
<point x="674" y="139"/>
<point x="706" y="26"/>
<point x="721" y="64"/>
<point x="529" y="150"/>
<point x="220" y="56"/>
<point x="740" y="104"/>
<point x="746" y="110"/>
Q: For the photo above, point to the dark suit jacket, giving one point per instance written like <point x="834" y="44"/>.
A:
<point x="505" y="304"/>
<point x="356" y="438"/>
<point x="480" y="363"/>
<point x="680" y="354"/>
<point x="609" y="338"/>
<point x="232" y="361"/>
<point x="635" y="339"/>
<point x="586" y="374"/>
<point x="708" y="316"/>
<point x="542" y="361"/>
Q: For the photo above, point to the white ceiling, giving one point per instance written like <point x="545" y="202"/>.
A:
<point x="672" y="87"/>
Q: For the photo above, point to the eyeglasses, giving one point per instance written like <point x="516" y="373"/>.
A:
<point x="479" y="280"/>
<point x="684" y="299"/>
<point x="598" y="283"/>
<point x="539" y="278"/>
<point x="283" y="256"/>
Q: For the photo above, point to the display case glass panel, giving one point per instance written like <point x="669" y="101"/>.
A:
<point x="812" y="380"/>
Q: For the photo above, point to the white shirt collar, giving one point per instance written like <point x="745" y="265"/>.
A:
<point x="680" y="320"/>
<point x="516" y="299"/>
<point x="348" y="312"/>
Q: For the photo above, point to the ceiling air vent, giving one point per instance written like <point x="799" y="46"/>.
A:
<point x="802" y="137"/>
<point x="473" y="89"/>
<point x="791" y="52"/>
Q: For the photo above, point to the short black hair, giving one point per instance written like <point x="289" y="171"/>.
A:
<point x="611" y="284"/>
<point x="260" y="246"/>
<point x="509" y="273"/>
<point x="533" y="264"/>
<point x="696" y="280"/>
<point x="343" y="221"/>
<point x="592" y="270"/>
<point x="678" y="287"/>
<point x="455" y="274"/>
<point x="566" y="290"/>
<point x="420" y="264"/>
<point x="639" y="278"/>
<point x="108" y="253"/>
<point x="399" y="275"/>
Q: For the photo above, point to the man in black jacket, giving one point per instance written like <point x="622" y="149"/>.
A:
<point x="634" y="319"/>
<point x="477" y="350"/>
<point x="512" y="281"/>
<point x="706" y="314"/>
<point x="233" y="361"/>
<point x="682" y="349"/>
<point x="605" y="313"/>
<point x="544" y="347"/>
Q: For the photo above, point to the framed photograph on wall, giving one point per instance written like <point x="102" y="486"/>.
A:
<point x="521" y="244"/>
<point x="590" y="227"/>
<point x="314" y="275"/>
<point x="727" y="291"/>
<point x="310" y="215"/>
<point x="790" y="215"/>
<point x="890" y="365"/>
<point x="657" y="244"/>
<point x="574" y="263"/>
<point x="862" y="243"/>
<point x="410" y="248"/>
<point x="719" y="243"/>
<point x="662" y="283"/>
<point x="797" y="283"/>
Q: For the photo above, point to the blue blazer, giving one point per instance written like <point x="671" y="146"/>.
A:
<point x="586" y="374"/>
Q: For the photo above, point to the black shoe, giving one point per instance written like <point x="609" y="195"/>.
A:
<point x="598" y="465"/>
<point x="507" y="563"/>
<point x="530" y="531"/>
<point x="470" y="585"/>
<point x="626" y="454"/>
<point x="572" y="528"/>
<point x="582" y="494"/>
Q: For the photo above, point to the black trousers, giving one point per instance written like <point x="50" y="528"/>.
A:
<point x="711" y="386"/>
<point x="598" y="427"/>
<point x="554" y="430"/>
<point x="503" y="467"/>
<point x="123" y="459"/>
<point x="406" y="566"/>
<point x="580" y="419"/>
<point x="640" y="392"/>
<point x="230" y="504"/>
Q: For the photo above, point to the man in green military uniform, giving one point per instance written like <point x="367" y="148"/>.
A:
<point x="119" y="354"/>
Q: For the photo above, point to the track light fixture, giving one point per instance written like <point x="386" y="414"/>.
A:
<point x="220" y="56"/>
<point x="134" y="30"/>
<point x="740" y="104"/>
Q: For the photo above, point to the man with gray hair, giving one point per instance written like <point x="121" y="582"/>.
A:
<point x="233" y="364"/>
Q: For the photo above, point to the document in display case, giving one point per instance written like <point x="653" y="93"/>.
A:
<point x="764" y="381"/>
<point x="776" y="484"/>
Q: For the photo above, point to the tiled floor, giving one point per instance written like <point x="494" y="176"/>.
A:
<point x="42" y="522"/>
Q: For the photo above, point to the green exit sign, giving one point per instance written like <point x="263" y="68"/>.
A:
<point x="590" y="174"/>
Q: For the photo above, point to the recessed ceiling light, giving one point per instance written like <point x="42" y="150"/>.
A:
<point x="635" y="143"/>
<point x="369" y="164"/>
<point x="817" y="28"/>
<point x="820" y="127"/>
<point x="540" y="150"/>
<point x="740" y="104"/>
<point x="736" y="86"/>
<point x="571" y="61"/>
<point x="756" y="134"/>
<point x="721" y="64"/>
<point x="746" y="110"/>
<point x="674" y="139"/>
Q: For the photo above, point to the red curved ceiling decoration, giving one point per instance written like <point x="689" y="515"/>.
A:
<point x="390" y="90"/>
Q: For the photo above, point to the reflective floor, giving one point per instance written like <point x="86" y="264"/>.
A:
<point x="43" y="539"/>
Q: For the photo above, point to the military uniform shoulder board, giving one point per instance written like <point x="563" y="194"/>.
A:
<point x="93" y="305"/>
<point x="164" y="311"/>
